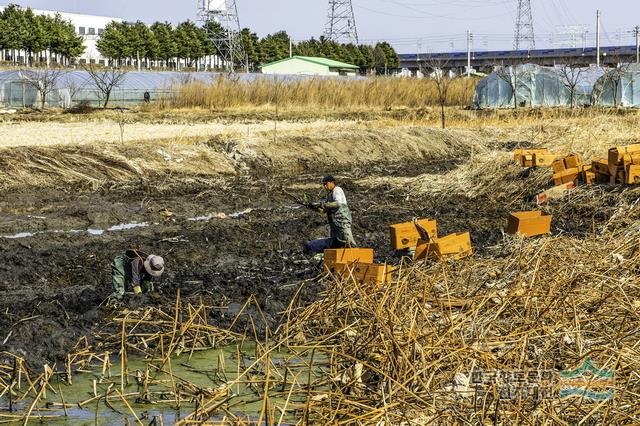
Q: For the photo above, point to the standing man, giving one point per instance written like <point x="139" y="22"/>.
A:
<point x="339" y="218"/>
<point x="137" y="269"/>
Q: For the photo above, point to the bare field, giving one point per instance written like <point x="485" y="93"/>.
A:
<point x="82" y="133"/>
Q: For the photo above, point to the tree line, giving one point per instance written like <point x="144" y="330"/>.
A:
<point x="381" y="56"/>
<point x="162" y="42"/>
<point x="42" y="37"/>
<point x="53" y="39"/>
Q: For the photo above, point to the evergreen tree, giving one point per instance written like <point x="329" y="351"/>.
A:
<point x="369" y="61"/>
<point x="3" y="35"/>
<point x="37" y="39"/>
<point x="191" y="42"/>
<point x="164" y="36"/>
<point x="251" y="42"/>
<point x="380" y="59"/>
<point x="16" y="27"/>
<point x="275" y="46"/>
<point x="308" y="48"/>
<point x="141" y="41"/>
<point x="71" y="45"/>
<point x="391" y="57"/>
<point x="113" y="41"/>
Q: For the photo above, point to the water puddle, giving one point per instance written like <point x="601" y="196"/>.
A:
<point x="289" y="373"/>
<point x="20" y="235"/>
<point x="124" y="226"/>
<point x="95" y="232"/>
<point x="220" y="216"/>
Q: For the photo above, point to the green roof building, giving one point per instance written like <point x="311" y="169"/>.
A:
<point x="307" y="65"/>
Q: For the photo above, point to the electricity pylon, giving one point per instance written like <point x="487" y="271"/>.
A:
<point x="524" y="38"/>
<point x="220" y="20"/>
<point x="341" y="22"/>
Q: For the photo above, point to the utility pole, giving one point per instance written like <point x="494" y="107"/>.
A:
<point x="469" y="38"/>
<point x="598" y="15"/>
<point x="418" y="57"/>
<point x="637" y="33"/>
<point x="290" y="47"/>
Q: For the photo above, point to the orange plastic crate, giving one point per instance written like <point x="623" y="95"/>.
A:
<point x="405" y="235"/>
<point x="369" y="273"/>
<point x="529" y="224"/>
<point x="349" y="255"/>
<point x="454" y="246"/>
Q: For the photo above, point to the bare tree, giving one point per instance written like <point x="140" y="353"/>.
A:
<point x="44" y="81"/>
<point x="105" y="80"/>
<point x="570" y="75"/>
<point x="73" y="85"/>
<point x="441" y="77"/>
<point x="616" y="76"/>
<point x="514" y="76"/>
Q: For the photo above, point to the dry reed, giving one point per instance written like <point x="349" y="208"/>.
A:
<point x="408" y="351"/>
<point x="225" y="93"/>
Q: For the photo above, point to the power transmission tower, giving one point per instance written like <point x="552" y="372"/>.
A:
<point x="341" y="22"/>
<point x="524" y="39"/>
<point x="220" y="20"/>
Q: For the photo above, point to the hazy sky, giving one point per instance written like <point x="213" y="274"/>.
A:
<point x="435" y="25"/>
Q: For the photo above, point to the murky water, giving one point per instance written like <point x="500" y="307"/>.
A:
<point x="206" y="369"/>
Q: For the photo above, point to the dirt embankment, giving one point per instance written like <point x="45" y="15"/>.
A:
<point x="349" y="148"/>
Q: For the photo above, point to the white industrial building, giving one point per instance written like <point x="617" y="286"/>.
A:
<point x="90" y="27"/>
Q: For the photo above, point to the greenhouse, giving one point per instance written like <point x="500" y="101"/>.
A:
<point x="19" y="88"/>
<point x="619" y="87"/>
<point x="536" y="86"/>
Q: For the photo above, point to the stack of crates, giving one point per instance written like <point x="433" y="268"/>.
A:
<point x="624" y="164"/>
<point x="569" y="169"/>
<point x="422" y="236"/>
<point x="534" y="157"/>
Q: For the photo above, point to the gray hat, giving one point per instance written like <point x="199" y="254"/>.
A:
<point x="154" y="265"/>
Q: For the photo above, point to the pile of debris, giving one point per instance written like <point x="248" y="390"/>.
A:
<point x="621" y="167"/>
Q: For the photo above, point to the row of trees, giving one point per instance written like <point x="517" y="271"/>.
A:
<point x="159" y="42"/>
<point x="162" y="42"/>
<point x="277" y="46"/>
<point x="40" y="36"/>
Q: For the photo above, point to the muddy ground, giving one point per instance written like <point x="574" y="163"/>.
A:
<point x="224" y="238"/>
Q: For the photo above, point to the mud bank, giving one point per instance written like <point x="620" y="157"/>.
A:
<point x="221" y="220"/>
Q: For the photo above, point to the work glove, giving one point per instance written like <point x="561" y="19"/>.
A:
<point x="315" y="207"/>
<point x="148" y="287"/>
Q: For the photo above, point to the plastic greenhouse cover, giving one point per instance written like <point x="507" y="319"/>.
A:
<point x="619" y="87"/>
<point x="152" y="80"/>
<point x="537" y="86"/>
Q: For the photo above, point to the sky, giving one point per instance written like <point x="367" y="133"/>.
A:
<point x="409" y="25"/>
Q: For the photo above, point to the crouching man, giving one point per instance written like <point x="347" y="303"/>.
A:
<point x="135" y="270"/>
